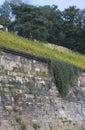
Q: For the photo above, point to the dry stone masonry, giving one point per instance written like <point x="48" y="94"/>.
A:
<point x="29" y="99"/>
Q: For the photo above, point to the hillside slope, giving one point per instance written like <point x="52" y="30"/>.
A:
<point x="39" y="49"/>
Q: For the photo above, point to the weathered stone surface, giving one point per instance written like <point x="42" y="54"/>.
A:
<point x="28" y="90"/>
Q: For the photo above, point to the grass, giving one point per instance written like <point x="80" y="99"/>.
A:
<point x="39" y="49"/>
<point x="65" y="65"/>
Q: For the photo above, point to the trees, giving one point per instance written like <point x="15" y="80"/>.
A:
<point x="72" y="24"/>
<point x="82" y="39"/>
<point x="41" y="23"/>
<point x="46" y="23"/>
<point x="53" y="22"/>
<point x="6" y="11"/>
<point x="69" y="25"/>
<point x="5" y="14"/>
<point x="31" y="24"/>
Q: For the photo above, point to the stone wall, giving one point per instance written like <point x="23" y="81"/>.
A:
<point x="29" y="97"/>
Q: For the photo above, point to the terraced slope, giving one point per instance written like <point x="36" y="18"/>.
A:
<point x="40" y="49"/>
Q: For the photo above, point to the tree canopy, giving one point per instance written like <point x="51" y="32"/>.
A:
<point x="46" y="23"/>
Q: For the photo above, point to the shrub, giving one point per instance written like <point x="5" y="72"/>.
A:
<point x="64" y="74"/>
<point x="18" y="119"/>
<point x="23" y="127"/>
<point x="36" y="126"/>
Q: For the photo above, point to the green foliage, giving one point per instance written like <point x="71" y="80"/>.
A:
<point x="65" y="67"/>
<point x="42" y="74"/>
<point x="5" y="14"/>
<point x="18" y="119"/>
<point x="39" y="49"/>
<point x="23" y="127"/>
<point x="36" y="126"/>
<point x="64" y="74"/>
<point x="48" y="23"/>
<point x="45" y="23"/>
<point x="52" y="15"/>
<point x="73" y="28"/>
<point x="65" y="120"/>
<point x="31" y="24"/>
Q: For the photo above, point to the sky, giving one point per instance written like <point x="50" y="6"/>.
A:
<point x="62" y="4"/>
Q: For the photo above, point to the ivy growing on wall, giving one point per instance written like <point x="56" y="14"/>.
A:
<point x="65" y="75"/>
